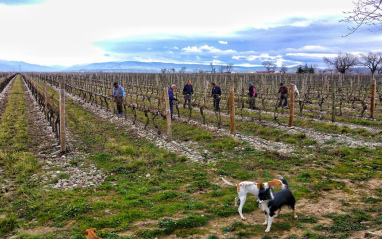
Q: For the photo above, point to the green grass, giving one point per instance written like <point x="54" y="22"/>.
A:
<point x="182" y="198"/>
<point x="14" y="140"/>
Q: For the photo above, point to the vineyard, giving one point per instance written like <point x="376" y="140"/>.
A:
<point x="69" y="162"/>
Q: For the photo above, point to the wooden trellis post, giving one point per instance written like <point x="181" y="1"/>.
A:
<point x="112" y="99"/>
<point x="333" y="101"/>
<point x="46" y="99"/>
<point x="291" y="108"/>
<point x="205" y="91"/>
<point x="372" y="103"/>
<point x="168" y="114"/>
<point x="62" y="116"/>
<point x="232" y="110"/>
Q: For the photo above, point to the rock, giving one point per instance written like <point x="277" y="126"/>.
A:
<point x="375" y="234"/>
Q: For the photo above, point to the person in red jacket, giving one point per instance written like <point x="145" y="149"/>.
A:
<point x="283" y="90"/>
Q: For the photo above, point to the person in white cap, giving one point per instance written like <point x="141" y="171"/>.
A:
<point x="171" y="98"/>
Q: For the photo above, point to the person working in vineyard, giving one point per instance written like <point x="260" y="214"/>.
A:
<point x="252" y="95"/>
<point x="188" y="91"/>
<point x="119" y="94"/>
<point x="283" y="90"/>
<point x="171" y="98"/>
<point x="216" y="94"/>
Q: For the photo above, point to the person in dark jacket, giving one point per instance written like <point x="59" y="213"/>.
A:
<point x="188" y="91"/>
<point x="119" y="94"/>
<point x="216" y="94"/>
<point x="171" y="98"/>
<point x="252" y="93"/>
<point x="283" y="95"/>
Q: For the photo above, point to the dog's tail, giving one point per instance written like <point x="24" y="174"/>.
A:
<point x="226" y="182"/>
<point x="285" y="183"/>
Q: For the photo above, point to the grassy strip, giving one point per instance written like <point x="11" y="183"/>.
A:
<point x="15" y="160"/>
<point x="14" y="141"/>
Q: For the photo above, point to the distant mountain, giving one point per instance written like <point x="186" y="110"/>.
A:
<point x="153" y="67"/>
<point x="23" y="66"/>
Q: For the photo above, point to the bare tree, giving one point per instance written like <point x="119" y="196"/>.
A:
<point x="269" y="65"/>
<point x="229" y="67"/>
<point x="283" y="69"/>
<point x="222" y="69"/>
<point x="342" y="62"/>
<point x="366" y="12"/>
<point x="182" y="70"/>
<point x="213" y="69"/>
<point x="163" y="70"/>
<point x="173" y="70"/>
<point x="372" y="61"/>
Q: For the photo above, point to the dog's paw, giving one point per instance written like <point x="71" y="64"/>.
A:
<point x="267" y="230"/>
<point x="244" y="219"/>
<point x="265" y="223"/>
<point x="296" y="216"/>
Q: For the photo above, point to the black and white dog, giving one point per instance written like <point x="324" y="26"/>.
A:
<point x="271" y="203"/>
<point x="245" y="187"/>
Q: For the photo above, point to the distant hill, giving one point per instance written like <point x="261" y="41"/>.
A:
<point x="135" y="66"/>
<point x="23" y="66"/>
<point x="130" y="66"/>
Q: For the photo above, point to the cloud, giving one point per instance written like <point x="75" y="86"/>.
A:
<point x="312" y="55"/>
<point x="263" y="57"/>
<point x="311" y="48"/>
<point x="193" y="49"/>
<point x="206" y="48"/>
<point x="285" y="35"/>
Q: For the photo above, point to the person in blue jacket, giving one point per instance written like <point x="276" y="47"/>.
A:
<point x="216" y="94"/>
<point x="119" y="94"/>
<point x="188" y="91"/>
<point x="172" y="98"/>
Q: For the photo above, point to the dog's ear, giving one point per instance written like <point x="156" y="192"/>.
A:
<point x="85" y="233"/>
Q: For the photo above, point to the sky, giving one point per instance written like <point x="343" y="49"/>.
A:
<point x="241" y="32"/>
